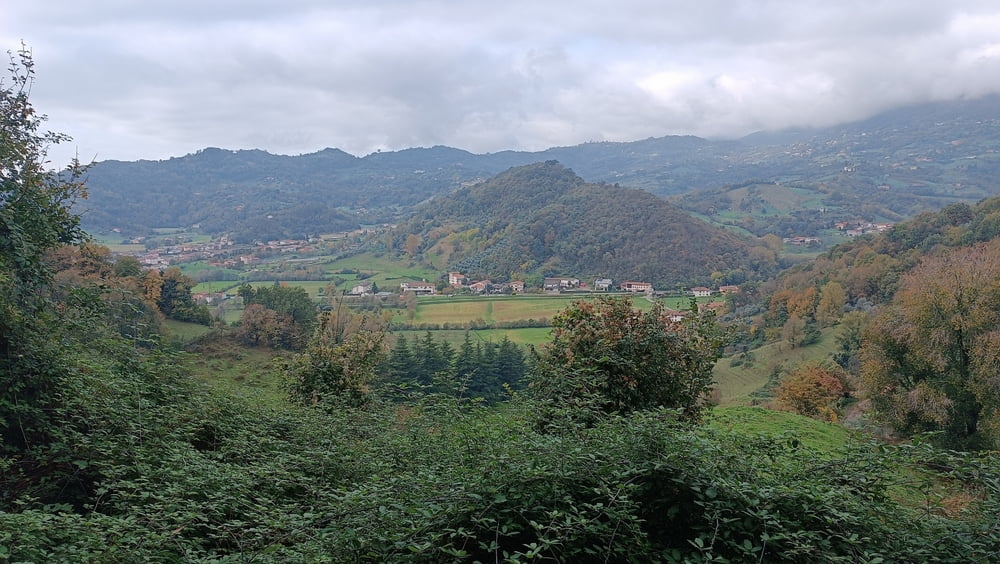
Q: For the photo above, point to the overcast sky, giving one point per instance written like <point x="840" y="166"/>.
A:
<point x="131" y="79"/>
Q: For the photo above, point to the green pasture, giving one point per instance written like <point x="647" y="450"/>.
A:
<point x="823" y="437"/>
<point x="497" y="309"/>
<point x="182" y="331"/>
<point x="244" y="372"/>
<point x="125" y="248"/>
<point x="216" y="286"/>
<point x="113" y="241"/>
<point x="736" y="383"/>
<point x="386" y="271"/>
<point x="526" y="336"/>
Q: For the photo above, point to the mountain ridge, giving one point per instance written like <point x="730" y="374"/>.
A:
<point x="892" y="165"/>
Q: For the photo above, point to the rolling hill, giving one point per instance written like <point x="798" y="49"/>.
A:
<point x="544" y="220"/>
<point x="889" y="167"/>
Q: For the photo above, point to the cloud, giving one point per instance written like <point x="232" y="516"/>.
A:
<point x="157" y="79"/>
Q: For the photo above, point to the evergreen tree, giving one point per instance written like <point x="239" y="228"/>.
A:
<point x="400" y="363"/>
<point x="465" y="364"/>
<point x="487" y="383"/>
<point x="510" y="363"/>
<point x="430" y="359"/>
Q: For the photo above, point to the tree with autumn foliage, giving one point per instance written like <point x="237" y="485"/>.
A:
<point x="606" y="356"/>
<point x="929" y="360"/>
<point x="814" y="390"/>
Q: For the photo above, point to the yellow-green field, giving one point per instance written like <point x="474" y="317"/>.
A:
<point x="534" y="336"/>
<point x="442" y="309"/>
<point x="499" y="309"/>
<point x="386" y="272"/>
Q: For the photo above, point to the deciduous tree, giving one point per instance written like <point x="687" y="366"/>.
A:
<point x="813" y="390"/>
<point x="35" y="218"/>
<point x="340" y="362"/>
<point x="626" y="359"/>
<point x="927" y="360"/>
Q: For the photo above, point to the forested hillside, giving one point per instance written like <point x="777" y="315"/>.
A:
<point x="920" y="306"/>
<point x="544" y="220"/>
<point x="887" y="168"/>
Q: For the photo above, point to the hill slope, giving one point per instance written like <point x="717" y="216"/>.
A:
<point x="543" y="219"/>
<point x="891" y="166"/>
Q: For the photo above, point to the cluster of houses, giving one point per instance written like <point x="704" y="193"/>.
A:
<point x="857" y="228"/>
<point x="560" y="284"/>
<point x="223" y="253"/>
<point x="854" y="228"/>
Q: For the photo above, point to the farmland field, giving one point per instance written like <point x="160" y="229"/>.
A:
<point x="527" y="336"/>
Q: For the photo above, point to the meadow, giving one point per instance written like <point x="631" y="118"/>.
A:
<point x="737" y="384"/>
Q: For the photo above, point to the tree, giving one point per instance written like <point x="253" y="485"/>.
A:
<point x="35" y="218"/>
<point x="813" y="390"/>
<point x="400" y="361"/>
<point x="605" y="351"/>
<point x="794" y="331"/>
<point x="175" y="300"/>
<point x="849" y="338"/>
<point x="927" y="359"/>
<point x="412" y="244"/>
<point x="510" y="363"/>
<point x="291" y="301"/>
<point x="260" y="326"/>
<point x="339" y="363"/>
<point x="831" y="303"/>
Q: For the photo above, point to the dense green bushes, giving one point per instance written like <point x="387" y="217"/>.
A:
<point x="199" y="478"/>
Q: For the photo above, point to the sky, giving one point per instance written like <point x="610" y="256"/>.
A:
<point x="131" y="79"/>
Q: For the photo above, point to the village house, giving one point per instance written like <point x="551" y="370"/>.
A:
<point x="602" y="284"/>
<point x="361" y="290"/>
<point x="724" y="290"/>
<point x="701" y="292"/>
<point x="801" y="241"/>
<point x="153" y="260"/>
<point x="716" y="307"/>
<point x="557" y="284"/>
<point x="456" y="279"/>
<point x="636" y="287"/>
<point x="480" y="287"/>
<point x="418" y="288"/>
<point x="675" y="315"/>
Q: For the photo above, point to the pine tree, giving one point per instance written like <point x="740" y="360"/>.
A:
<point x="400" y="361"/>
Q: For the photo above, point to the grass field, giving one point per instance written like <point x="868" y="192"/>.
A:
<point x="823" y="437"/>
<point x="385" y="271"/>
<point x="441" y="309"/>
<point x="462" y="309"/>
<point x="736" y="383"/>
<point x="245" y="372"/>
<point x="183" y="331"/>
<point x="526" y="336"/>
<point x="216" y="286"/>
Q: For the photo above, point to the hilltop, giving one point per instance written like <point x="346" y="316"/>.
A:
<point x="544" y="220"/>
